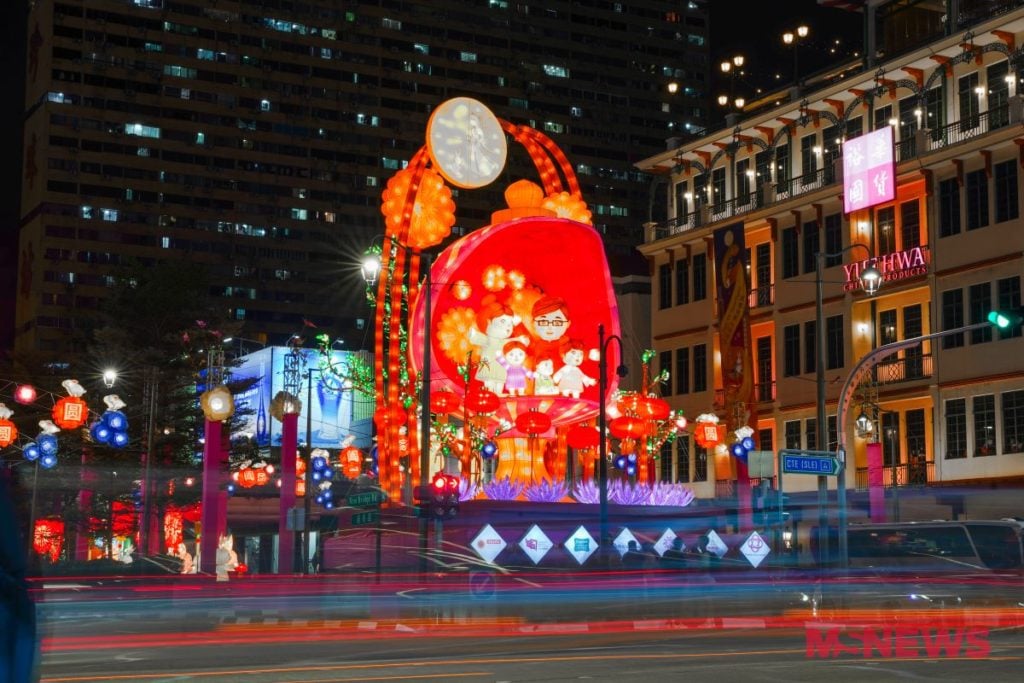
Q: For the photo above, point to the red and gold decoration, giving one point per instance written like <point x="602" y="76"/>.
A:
<point x="70" y="412"/>
<point x="8" y="431"/>
<point x="351" y="462"/>
<point x="48" y="537"/>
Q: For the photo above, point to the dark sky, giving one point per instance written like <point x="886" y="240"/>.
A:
<point x="754" y="30"/>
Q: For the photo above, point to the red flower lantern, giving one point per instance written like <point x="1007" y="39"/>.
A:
<point x="708" y="434"/>
<point x="247" y="477"/>
<point x="8" y="433"/>
<point x="582" y="436"/>
<point x="70" y="412"/>
<point x="627" y="427"/>
<point x="262" y="476"/>
<point x="533" y="423"/>
<point x="443" y="402"/>
<point x="482" y="402"/>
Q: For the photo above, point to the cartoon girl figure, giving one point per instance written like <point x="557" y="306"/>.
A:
<point x="570" y="379"/>
<point x="544" y="378"/>
<point x="498" y="321"/>
<point x="516" y="373"/>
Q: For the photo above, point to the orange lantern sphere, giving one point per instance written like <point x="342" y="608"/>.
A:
<point x="708" y="434"/>
<point x="626" y="427"/>
<point x="351" y="462"/>
<point x="443" y="402"/>
<point x="262" y="476"/>
<point x="8" y="433"/>
<point x="629" y="403"/>
<point x="651" y="408"/>
<point x="581" y="436"/>
<point x="247" y="477"/>
<point x="482" y="401"/>
<point x="533" y="423"/>
<point x="70" y="412"/>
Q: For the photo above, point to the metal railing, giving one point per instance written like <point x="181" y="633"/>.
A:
<point x="914" y="474"/>
<point x="911" y="367"/>
<point x="761" y="296"/>
<point x="922" y="142"/>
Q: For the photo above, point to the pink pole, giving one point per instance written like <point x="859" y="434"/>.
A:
<point x="744" y="513"/>
<point x="86" y="479"/>
<point x="213" y="515"/>
<point x="876" y="487"/>
<point x="289" y="451"/>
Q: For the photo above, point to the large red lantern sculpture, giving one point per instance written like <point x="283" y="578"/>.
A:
<point x="627" y="427"/>
<point x="533" y="423"/>
<point x="582" y="436"/>
<point x="443" y="402"/>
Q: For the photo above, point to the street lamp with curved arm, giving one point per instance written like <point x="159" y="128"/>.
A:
<point x="871" y="280"/>
<point x="602" y="419"/>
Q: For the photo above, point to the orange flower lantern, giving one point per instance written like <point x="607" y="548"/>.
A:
<point x="482" y="402"/>
<point x="582" y="436"/>
<point x="433" y="212"/>
<point x="48" y="537"/>
<point x="533" y="423"/>
<point x="708" y="434"/>
<point x="247" y="478"/>
<point x="351" y="462"/>
<point x="443" y="402"/>
<point x="8" y="433"/>
<point x="627" y="427"/>
<point x="70" y="412"/>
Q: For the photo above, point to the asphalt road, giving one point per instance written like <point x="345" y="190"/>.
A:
<point x="615" y="628"/>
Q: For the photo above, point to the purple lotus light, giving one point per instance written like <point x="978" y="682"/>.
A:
<point x="586" y="492"/>
<point x="547" y="492"/>
<point x="624" y="493"/>
<point x="503" y="489"/>
<point x="467" y="490"/>
<point x="665" y="493"/>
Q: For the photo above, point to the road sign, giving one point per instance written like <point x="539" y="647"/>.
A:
<point x="368" y="517"/>
<point x="365" y="499"/>
<point x="761" y="464"/>
<point x="821" y="463"/>
<point x="755" y="549"/>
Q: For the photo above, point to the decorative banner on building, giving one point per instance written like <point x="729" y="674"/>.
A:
<point x="734" y="325"/>
<point x="898" y="265"/>
<point x="868" y="170"/>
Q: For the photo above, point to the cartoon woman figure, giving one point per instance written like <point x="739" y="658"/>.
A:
<point x="544" y="378"/>
<point x="498" y="322"/>
<point x="570" y="379"/>
<point x="516" y="373"/>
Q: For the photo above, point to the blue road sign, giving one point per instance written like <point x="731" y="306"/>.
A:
<point x="810" y="462"/>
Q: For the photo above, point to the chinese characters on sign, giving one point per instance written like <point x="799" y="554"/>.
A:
<point x="868" y="170"/>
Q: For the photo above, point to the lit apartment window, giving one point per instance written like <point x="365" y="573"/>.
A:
<point x="421" y="48"/>
<point x="299" y="214"/>
<point x="200" y="138"/>
<point x="553" y="127"/>
<point x="180" y="71"/>
<point x="556" y="71"/>
<point x="86" y="211"/>
<point x="109" y="215"/>
<point x="141" y="130"/>
<point x="204" y="54"/>
<point x="153" y="47"/>
<point x="57" y="97"/>
<point x="468" y="57"/>
<point x="165" y="242"/>
<point x="264" y="105"/>
<point x="391" y="23"/>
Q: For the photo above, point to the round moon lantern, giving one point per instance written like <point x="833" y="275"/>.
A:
<point x="70" y="412"/>
<point x="218" y="404"/>
<point x="283" y="404"/>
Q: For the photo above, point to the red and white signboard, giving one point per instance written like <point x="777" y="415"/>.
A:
<point x="715" y="544"/>
<point x="869" y="170"/>
<point x="665" y="542"/>
<point x="755" y="548"/>
<point x="488" y="544"/>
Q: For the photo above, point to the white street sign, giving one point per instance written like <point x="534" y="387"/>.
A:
<point x="665" y="542"/>
<point x="535" y="544"/>
<point x="488" y="544"/>
<point x="581" y="545"/>
<point x="621" y="542"/>
<point x="755" y="548"/>
<point x="716" y="545"/>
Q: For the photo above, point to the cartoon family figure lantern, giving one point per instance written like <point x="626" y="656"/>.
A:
<point x="514" y="306"/>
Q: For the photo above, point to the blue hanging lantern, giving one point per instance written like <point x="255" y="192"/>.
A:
<point x="119" y="439"/>
<point x="737" y="450"/>
<point x="31" y="452"/>
<point x="319" y="462"/>
<point x="116" y="420"/>
<point x="748" y="443"/>
<point x="489" y="450"/>
<point x="621" y="462"/>
<point x="47" y="444"/>
<point x="48" y="461"/>
<point x="631" y="470"/>
<point x="100" y="432"/>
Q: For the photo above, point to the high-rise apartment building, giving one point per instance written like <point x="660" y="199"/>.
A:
<point x="257" y="135"/>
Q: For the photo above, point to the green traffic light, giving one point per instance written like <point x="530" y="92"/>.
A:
<point x="998" y="319"/>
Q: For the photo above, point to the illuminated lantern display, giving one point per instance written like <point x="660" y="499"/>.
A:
<point x="48" y="537"/>
<point x="218" y="404"/>
<point x="25" y="394"/>
<point x="247" y="477"/>
<point x="8" y="432"/>
<point x="443" y="402"/>
<point x="482" y="402"/>
<point x="351" y="462"/>
<point x="708" y="434"/>
<point x="70" y="412"/>
<point x="583" y="436"/>
<point x="652" y="408"/>
<point x="627" y="427"/>
<point x="533" y="423"/>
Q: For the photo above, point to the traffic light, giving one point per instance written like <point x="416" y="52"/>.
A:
<point x="1004" y="320"/>
<point x="444" y="498"/>
<point x="422" y="497"/>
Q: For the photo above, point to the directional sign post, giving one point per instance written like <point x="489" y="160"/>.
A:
<point x="366" y="517"/>
<point x="821" y="463"/>
<point x="366" y="499"/>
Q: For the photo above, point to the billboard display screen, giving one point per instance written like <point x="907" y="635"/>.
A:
<point x="334" y="413"/>
<point x="869" y="176"/>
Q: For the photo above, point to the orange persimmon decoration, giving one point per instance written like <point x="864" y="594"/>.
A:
<point x="433" y="213"/>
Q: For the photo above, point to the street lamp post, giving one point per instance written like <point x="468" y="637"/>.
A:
<point x="731" y="68"/>
<point x="871" y="280"/>
<point x="602" y="418"/>
<point x="793" y="38"/>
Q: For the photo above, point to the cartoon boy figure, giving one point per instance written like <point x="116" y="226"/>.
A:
<point x="544" y="378"/>
<point x="570" y="379"/>
<point x="498" y="321"/>
<point x="550" y="323"/>
<point x="516" y="374"/>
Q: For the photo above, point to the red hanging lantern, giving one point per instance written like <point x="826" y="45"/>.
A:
<point x="533" y="423"/>
<point x="629" y="404"/>
<point x="582" y="436"/>
<point x="262" y="476"/>
<point x="247" y="478"/>
<point x="70" y="412"/>
<point x="352" y="461"/>
<point x="443" y="402"/>
<point x="626" y="427"/>
<point x="8" y="433"/>
<point x="708" y="434"/>
<point x="652" y="408"/>
<point x="482" y="402"/>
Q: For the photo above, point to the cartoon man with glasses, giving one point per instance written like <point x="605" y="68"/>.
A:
<point x="550" y="323"/>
